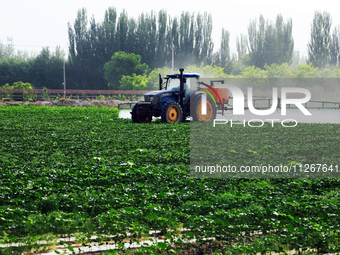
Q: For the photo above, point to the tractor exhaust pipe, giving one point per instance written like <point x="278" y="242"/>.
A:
<point x="160" y="81"/>
<point x="181" y="87"/>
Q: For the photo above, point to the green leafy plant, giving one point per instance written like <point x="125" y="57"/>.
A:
<point x="83" y="172"/>
<point x="26" y="96"/>
<point x="100" y="97"/>
<point x="45" y="94"/>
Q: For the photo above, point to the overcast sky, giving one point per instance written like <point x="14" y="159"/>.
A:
<point x="35" y="24"/>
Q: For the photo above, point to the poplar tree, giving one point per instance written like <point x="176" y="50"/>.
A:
<point x="319" y="44"/>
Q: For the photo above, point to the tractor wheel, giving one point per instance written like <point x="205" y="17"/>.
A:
<point x="196" y="109"/>
<point x="171" y="112"/>
<point x="138" y="118"/>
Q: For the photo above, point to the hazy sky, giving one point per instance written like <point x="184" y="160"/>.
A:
<point x="35" y="24"/>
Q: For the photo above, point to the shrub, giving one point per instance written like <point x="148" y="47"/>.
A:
<point x="100" y="97"/>
<point x="45" y="94"/>
<point x="18" y="96"/>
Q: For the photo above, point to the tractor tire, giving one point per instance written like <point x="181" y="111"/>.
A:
<point x="196" y="106"/>
<point x="138" y="118"/>
<point x="171" y="112"/>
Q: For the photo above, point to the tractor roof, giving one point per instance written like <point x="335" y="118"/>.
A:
<point x="177" y="75"/>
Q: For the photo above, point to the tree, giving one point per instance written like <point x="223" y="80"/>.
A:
<point x="240" y="64"/>
<point x="78" y="49"/>
<point x="162" y="47"/>
<point x="334" y="47"/>
<point x="269" y="43"/>
<point x="146" y="38"/>
<point x="191" y="38"/>
<point x="318" y="46"/>
<point x="89" y="46"/>
<point x="14" y="69"/>
<point x="109" y="33"/>
<point x="185" y="52"/>
<point x="256" y="35"/>
<point x="134" y="82"/>
<point x="279" y="71"/>
<point x="241" y="45"/>
<point x="307" y="71"/>
<point x="252" y="72"/>
<point x="47" y="69"/>
<point x="151" y="36"/>
<point x="284" y="41"/>
<point x="18" y="85"/>
<point x="253" y="77"/>
<point x="173" y="37"/>
<point x="121" y="64"/>
<point x="207" y="45"/>
<point x="223" y="58"/>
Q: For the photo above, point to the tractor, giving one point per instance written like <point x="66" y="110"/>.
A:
<point x="178" y="97"/>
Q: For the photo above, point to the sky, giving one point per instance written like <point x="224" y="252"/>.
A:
<point x="34" y="24"/>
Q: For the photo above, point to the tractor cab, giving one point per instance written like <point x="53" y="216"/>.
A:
<point x="172" y="101"/>
<point x="173" y="83"/>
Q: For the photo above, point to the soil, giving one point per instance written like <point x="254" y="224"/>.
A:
<point x="71" y="102"/>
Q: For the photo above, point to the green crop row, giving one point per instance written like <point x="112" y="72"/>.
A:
<point x="71" y="171"/>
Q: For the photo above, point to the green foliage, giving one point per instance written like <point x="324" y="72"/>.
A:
<point x="46" y="96"/>
<point x="6" y="51"/>
<point x="242" y="46"/>
<point x="318" y="46"/>
<point x="48" y="67"/>
<point x="26" y="96"/>
<point x="258" y="77"/>
<point x="269" y="43"/>
<point x="134" y="82"/>
<point x="279" y="71"/>
<point x="252" y="72"/>
<point x="100" y="97"/>
<point x="191" y="37"/>
<point x="81" y="172"/>
<point x="334" y="47"/>
<point x="240" y="64"/>
<point x="329" y="72"/>
<point x="121" y="64"/>
<point x="153" y="77"/>
<point x="223" y="57"/>
<point x="43" y="70"/>
<point x="307" y="71"/>
<point x="18" y="85"/>
<point x="92" y="44"/>
<point x="14" y="69"/>
<point x="17" y="95"/>
<point x="255" y="76"/>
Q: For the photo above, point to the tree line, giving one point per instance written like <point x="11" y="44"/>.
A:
<point x="153" y="36"/>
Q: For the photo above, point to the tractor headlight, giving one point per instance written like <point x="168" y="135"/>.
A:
<point x="153" y="99"/>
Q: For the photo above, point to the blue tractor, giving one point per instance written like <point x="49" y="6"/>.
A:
<point x="178" y="97"/>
